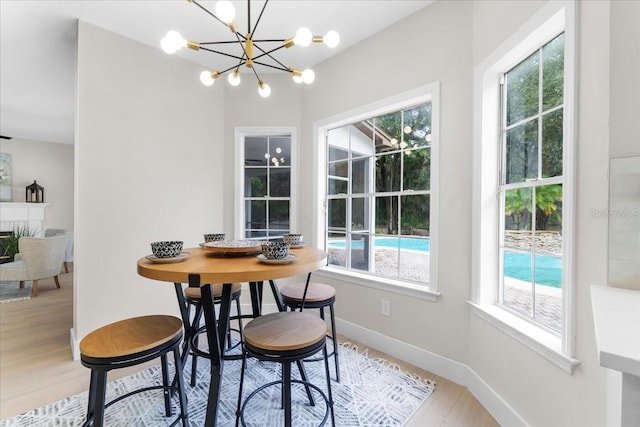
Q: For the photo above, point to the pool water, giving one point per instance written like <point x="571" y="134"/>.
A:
<point x="517" y="265"/>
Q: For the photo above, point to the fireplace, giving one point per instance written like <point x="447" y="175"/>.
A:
<point x="3" y="236"/>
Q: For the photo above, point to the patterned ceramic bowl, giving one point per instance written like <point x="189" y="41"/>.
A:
<point x="275" y="250"/>
<point x="214" y="237"/>
<point x="292" y="238"/>
<point x="166" y="249"/>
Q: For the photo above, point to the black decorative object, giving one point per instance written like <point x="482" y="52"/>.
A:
<point x="34" y="193"/>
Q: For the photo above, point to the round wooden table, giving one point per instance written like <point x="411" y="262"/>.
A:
<point x="206" y="267"/>
<point x="215" y="268"/>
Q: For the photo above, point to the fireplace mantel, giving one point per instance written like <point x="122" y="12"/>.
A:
<point x="16" y="214"/>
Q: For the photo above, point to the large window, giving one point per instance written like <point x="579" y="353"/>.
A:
<point x="530" y="188"/>
<point x="266" y="189"/>
<point x="523" y="186"/>
<point x="379" y="194"/>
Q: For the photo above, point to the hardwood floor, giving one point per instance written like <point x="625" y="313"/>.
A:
<point x="36" y="365"/>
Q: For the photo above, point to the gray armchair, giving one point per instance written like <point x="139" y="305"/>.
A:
<point x="39" y="258"/>
<point x="68" y="255"/>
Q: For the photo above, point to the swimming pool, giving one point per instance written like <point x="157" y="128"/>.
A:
<point x="516" y="265"/>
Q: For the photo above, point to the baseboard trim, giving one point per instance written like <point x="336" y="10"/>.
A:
<point x="457" y="372"/>
<point x="74" y="344"/>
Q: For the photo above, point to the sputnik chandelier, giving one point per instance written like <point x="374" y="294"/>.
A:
<point x="246" y="55"/>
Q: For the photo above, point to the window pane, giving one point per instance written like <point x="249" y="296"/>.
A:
<point x="340" y="169"/>
<point x="256" y="214"/>
<point x="414" y="260"/>
<point x="387" y="252"/>
<point x="415" y="214"/>
<point x="336" y="247"/>
<point x="387" y="132"/>
<point x="360" y="175"/>
<point x="552" y="144"/>
<point x="337" y="214"/>
<point x="517" y="281"/>
<point x="255" y="149"/>
<point x="387" y="215"/>
<point x="361" y="139"/>
<point x="279" y="214"/>
<point x="522" y="152"/>
<point x="360" y="214"/>
<point x="360" y="247"/>
<point x="280" y="150"/>
<point x="549" y="219"/>
<point x="337" y="186"/>
<point x="417" y="127"/>
<point x="522" y="90"/>
<point x="250" y="234"/>
<point x="338" y="140"/>
<point x="518" y="218"/>
<point x="553" y="72"/>
<point x="417" y="169"/>
<point x="280" y="181"/>
<point x="548" y="300"/>
<point x="255" y="182"/>
<point x="336" y="153"/>
<point x="388" y="173"/>
<point x="276" y="234"/>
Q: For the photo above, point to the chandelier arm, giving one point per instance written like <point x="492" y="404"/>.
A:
<point x="225" y="42"/>
<point x="265" y="53"/>
<point x="264" y="6"/>
<point x="270" y="41"/>
<point x="241" y="58"/>
<point x="208" y="12"/>
<point x="282" y="68"/>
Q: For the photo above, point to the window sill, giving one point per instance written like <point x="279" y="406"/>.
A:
<point x="386" y="284"/>
<point x="544" y="343"/>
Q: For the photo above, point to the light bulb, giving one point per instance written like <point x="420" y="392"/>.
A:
<point x="234" y="78"/>
<point x="264" y="90"/>
<point x="407" y="129"/>
<point x="331" y="39"/>
<point x="267" y="155"/>
<point x="225" y="11"/>
<point x="308" y="76"/>
<point x="278" y="150"/>
<point x="303" y="37"/>
<point x="172" y="42"/>
<point x="206" y="78"/>
<point x="428" y="137"/>
<point x="297" y="79"/>
<point x="394" y="141"/>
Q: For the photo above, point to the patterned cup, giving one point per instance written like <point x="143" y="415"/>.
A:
<point x="166" y="249"/>
<point x="293" y="238"/>
<point x="214" y="237"/>
<point x="275" y="250"/>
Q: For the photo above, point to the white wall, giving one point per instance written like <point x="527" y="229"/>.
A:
<point x="52" y="166"/>
<point x="147" y="149"/>
<point x="444" y="42"/>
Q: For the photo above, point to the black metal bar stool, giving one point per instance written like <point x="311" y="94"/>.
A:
<point x="285" y="337"/>
<point x="127" y="343"/>
<point x="315" y="295"/>
<point x="193" y="297"/>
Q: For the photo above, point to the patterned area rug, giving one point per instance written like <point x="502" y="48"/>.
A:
<point x="11" y="291"/>
<point x="372" y="392"/>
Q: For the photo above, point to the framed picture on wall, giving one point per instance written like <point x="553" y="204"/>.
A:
<point x="5" y="177"/>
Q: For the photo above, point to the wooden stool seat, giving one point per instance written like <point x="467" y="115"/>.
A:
<point x="194" y="293"/>
<point x="127" y="343"/>
<point x="284" y="331"/>
<point x="130" y="336"/>
<point x="286" y="337"/>
<point x="316" y="292"/>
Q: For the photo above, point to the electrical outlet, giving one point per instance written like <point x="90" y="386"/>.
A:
<point x="385" y="308"/>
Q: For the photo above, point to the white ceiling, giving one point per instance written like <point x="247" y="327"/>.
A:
<point x="38" y="40"/>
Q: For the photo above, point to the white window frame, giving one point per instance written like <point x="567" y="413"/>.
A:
<point x="421" y="95"/>
<point x="240" y="134"/>
<point x="552" y="19"/>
